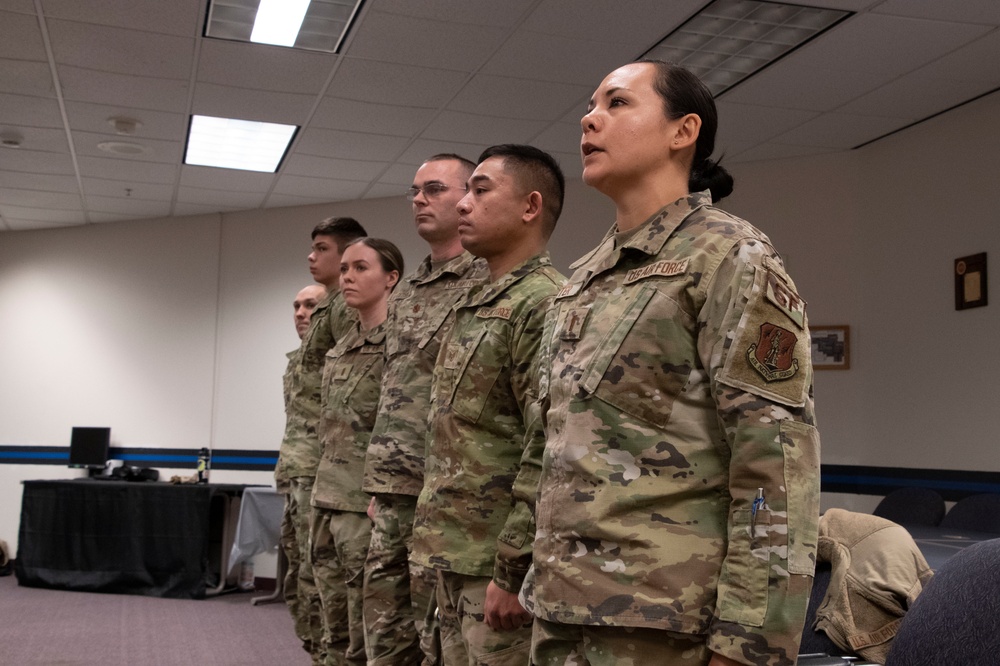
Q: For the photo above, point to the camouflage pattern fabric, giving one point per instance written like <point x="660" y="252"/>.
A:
<point x="306" y="611"/>
<point x="465" y="636"/>
<point x="300" y="447"/>
<point x="281" y="478"/>
<point x="474" y="515"/>
<point x="350" y="390"/>
<point x="554" y="644"/>
<point x="397" y="593"/>
<point x="290" y="587"/>
<point x="339" y="635"/>
<point x="418" y="318"/>
<point x="419" y="310"/>
<point x="680" y="480"/>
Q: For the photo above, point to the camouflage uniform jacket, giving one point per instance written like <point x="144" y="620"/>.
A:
<point x="680" y="383"/>
<point x="350" y="400"/>
<point x="281" y="479"/>
<point x="480" y="427"/>
<point x="418" y="311"/>
<point x="300" y="448"/>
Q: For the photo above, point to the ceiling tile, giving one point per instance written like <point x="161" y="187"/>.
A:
<point x="401" y="85"/>
<point x="421" y="149"/>
<point x="323" y="167"/>
<point x="441" y="44"/>
<point x="229" y="102"/>
<point x="153" y="124"/>
<point x="399" y="176"/>
<point x="838" y="130"/>
<point x="966" y="11"/>
<point x="21" y="38"/>
<point x="43" y="139"/>
<point x="518" y="98"/>
<point x="570" y="164"/>
<point x="109" y="217"/>
<point x="28" y="110"/>
<point x="559" y="137"/>
<point x="34" y="161"/>
<point x="21" y="6"/>
<point x="918" y="94"/>
<point x="349" y="145"/>
<point x="331" y="190"/>
<point x="121" y="51"/>
<point x="181" y="208"/>
<point x="287" y="200"/>
<point x="126" y="170"/>
<point x="25" y="77"/>
<point x="774" y="151"/>
<point x="11" y="213"/>
<point x="533" y="55"/>
<point x="35" y="181"/>
<point x="383" y="191"/>
<point x="471" y="128"/>
<point x="977" y="61"/>
<point x="128" y="206"/>
<point x="177" y="17"/>
<point x="128" y="189"/>
<point x="263" y="67"/>
<point x="642" y="24"/>
<point x="139" y="92"/>
<point x="499" y="14"/>
<point x="748" y="123"/>
<point x="25" y="225"/>
<point x="226" y="179"/>
<point x="345" y="114"/>
<point x="168" y="152"/>
<point x="40" y="199"/>
<point x="199" y="195"/>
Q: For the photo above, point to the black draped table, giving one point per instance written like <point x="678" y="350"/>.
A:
<point x="148" y="538"/>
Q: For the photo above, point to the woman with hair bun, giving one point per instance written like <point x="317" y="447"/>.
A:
<point x="679" y="494"/>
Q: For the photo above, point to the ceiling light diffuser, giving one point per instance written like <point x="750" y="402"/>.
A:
<point x="319" y="25"/>
<point x="278" y="21"/>
<point x="731" y="40"/>
<point x="229" y="143"/>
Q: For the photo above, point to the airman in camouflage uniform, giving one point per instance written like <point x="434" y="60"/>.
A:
<point x="300" y="447"/>
<point x="340" y="529"/>
<point x="680" y="480"/>
<point x="399" y="595"/>
<point x="474" y="516"/>
<point x="304" y="304"/>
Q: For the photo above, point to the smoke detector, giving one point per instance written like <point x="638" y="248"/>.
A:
<point x="124" y="126"/>
<point x="11" y="139"/>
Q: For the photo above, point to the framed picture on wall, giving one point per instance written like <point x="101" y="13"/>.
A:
<point x="831" y="347"/>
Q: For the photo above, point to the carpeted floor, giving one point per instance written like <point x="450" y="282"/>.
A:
<point x="58" y="628"/>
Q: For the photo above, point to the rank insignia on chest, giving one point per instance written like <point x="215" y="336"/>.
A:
<point x="342" y="373"/>
<point x="772" y="354"/>
<point x="571" y="323"/>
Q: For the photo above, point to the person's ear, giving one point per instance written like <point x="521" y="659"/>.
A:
<point x="687" y="129"/>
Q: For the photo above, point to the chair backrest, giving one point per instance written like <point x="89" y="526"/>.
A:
<point x="912" y="506"/>
<point x="980" y="513"/>
<point x="953" y="621"/>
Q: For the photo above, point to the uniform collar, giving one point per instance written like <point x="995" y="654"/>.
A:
<point x="456" y="266"/>
<point x="487" y="292"/>
<point x="650" y="237"/>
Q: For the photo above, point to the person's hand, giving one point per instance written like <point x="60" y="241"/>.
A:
<point x="719" y="660"/>
<point x="503" y="611"/>
<point x="371" y="509"/>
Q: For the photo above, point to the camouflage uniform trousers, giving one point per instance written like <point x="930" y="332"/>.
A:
<point x="305" y="607"/>
<point x="466" y="639"/>
<point x="556" y="644"/>
<point x="400" y="608"/>
<point x="340" y="546"/>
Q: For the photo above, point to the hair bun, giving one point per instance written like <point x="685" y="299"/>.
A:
<point x="712" y="176"/>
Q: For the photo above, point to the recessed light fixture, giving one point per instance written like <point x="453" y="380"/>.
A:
<point x="229" y="143"/>
<point x="316" y="25"/>
<point x="730" y="40"/>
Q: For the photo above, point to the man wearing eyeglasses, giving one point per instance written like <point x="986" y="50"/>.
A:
<point x="399" y="597"/>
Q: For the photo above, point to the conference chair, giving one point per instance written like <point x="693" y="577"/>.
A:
<point x="978" y="513"/>
<point x="912" y="506"/>
<point x="954" y="620"/>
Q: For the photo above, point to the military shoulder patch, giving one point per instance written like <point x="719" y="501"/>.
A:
<point x="773" y="354"/>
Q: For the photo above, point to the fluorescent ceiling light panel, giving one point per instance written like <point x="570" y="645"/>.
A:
<point x="730" y="40"/>
<point x="319" y="25"/>
<point x="229" y="143"/>
<point x="278" y="21"/>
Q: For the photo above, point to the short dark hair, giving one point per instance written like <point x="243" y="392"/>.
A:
<point x="684" y="93"/>
<point x="468" y="165"/>
<point x="535" y="169"/>
<point x="342" y="229"/>
<point x="389" y="255"/>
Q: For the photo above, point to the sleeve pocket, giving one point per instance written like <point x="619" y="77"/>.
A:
<point x="800" y="445"/>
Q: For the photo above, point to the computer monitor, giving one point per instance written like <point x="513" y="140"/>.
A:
<point x="88" y="447"/>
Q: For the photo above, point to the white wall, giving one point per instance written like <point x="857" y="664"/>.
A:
<point x="173" y="332"/>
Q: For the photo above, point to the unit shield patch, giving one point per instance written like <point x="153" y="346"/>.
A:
<point x="772" y="354"/>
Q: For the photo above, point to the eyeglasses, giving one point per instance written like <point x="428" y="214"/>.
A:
<point x="430" y="190"/>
